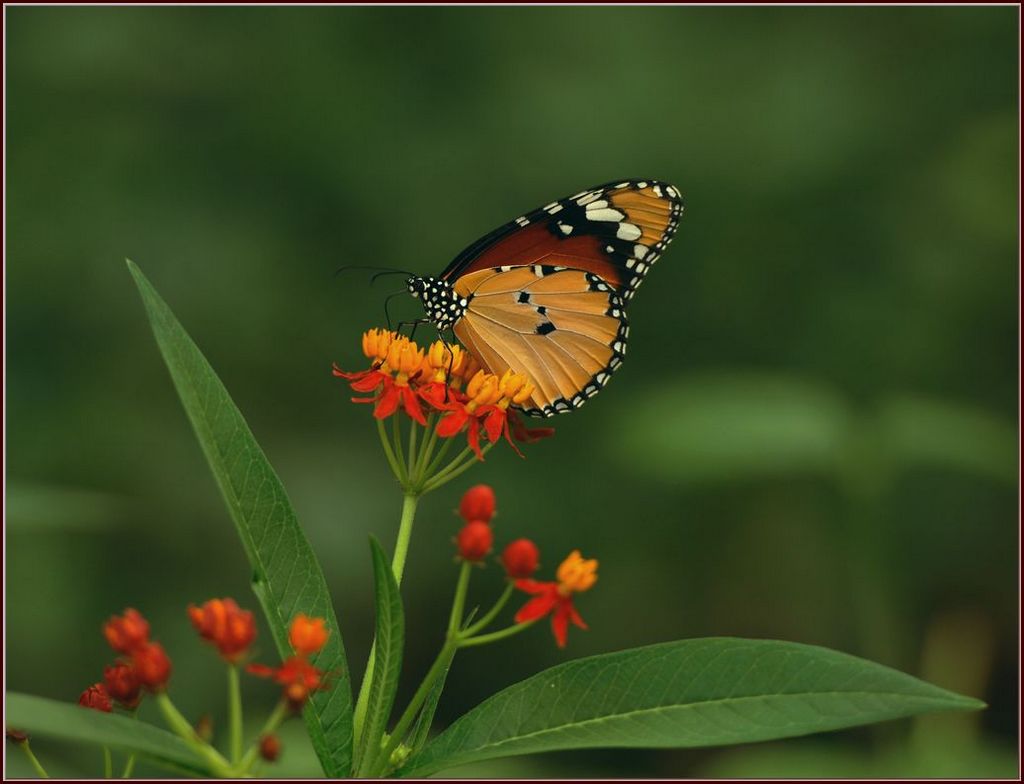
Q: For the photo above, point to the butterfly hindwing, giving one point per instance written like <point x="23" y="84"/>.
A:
<point x="565" y="329"/>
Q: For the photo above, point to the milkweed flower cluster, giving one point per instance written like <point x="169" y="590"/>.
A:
<point x="143" y="666"/>
<point x="444" y="381"/>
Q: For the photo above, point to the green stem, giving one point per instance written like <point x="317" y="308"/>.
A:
<point x="413" y="454"/>
<point x="452" y="471"/>
<point x="129" y="766"/>
<point x="389" y="453"/>
<point x="439" y="457"/>
<point x="108" y="763"/>
<point x="409" y="503"/>
<point x="279" y="714"/>
<point x="459" y="602"/>
<point x="396" y="444"/>
<point x="427" y="450"/>
<point x="491" y="614"/>
<point x="483" y="639"/>
<point x="179" y="724"/>
<point x="33" y="761"/>
<point x="440" y="665"/>
<point x="234" y="714"/>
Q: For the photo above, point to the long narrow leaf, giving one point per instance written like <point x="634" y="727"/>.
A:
<point x="65" y="721"/>
<point x="704" y="692"/>
<point x="287" y="578"/>
<point x="387" y="659"/>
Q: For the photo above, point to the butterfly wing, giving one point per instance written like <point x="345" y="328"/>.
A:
<point x="615" y="231"/>
<point x="565" y="329"/>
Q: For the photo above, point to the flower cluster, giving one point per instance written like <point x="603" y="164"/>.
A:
<point x="223" y="623"/>
<point x="143" y="664"/>
<point x="296" y="674"/>
<point x="444" y="380"/>
<point x="520" y="559"/>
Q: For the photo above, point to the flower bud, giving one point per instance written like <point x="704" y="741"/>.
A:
<point x="152" y="666"/>
<point x="122" y="683"/>
<point x="96" y="697"/>
<point x="226" y="625"/>
<point x="204" y="727"/>
<point x="477" y="504"/>
<point x="16" y="736"/>
<point x="127" y="632"/>
<point x="376" y="343"/>
<point x="270" y="747"/>
<point x="474" y="541"/>
<point x="520" y="559"/>
<point x="307" y="635"/>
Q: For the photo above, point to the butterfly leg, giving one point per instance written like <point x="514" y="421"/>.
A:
<point x="414" y="323"/>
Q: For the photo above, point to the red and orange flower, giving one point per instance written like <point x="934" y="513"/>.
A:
<point x="575" y="574"/>
<point x="449" y="382"/>
<point x="296" y="674"/>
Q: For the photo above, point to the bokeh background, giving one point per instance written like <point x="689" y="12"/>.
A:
<point x="814" y="437"/>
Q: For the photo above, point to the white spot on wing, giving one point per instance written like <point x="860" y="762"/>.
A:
<point x="605" y="215"/>
<point x="627" y="231"/>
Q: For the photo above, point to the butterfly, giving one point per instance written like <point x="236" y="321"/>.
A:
<point x="546" y="294"/>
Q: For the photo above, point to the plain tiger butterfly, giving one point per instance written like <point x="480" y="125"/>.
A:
<point x="546" y="294"/>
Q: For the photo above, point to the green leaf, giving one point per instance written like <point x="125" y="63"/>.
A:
<point x="705" y="692"/>
<point x="66" y="721"/>
<point x="286" y="576"/>
<point x="387" y="663"/>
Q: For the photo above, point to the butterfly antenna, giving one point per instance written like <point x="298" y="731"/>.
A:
<point x="388" y="270"/>
<point x="387" y="299"/>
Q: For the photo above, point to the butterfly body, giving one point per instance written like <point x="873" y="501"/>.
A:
<point x="546" y="294"/>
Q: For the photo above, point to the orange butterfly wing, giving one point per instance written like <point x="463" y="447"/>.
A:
<point x="565" y="329"/>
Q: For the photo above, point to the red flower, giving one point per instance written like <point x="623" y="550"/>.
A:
<point x="96" y="697"/>
<point x="226" y="625"/>
<point x="478" y="503"/>
<point x="152" y="666"/>
<point x="122" y="683"/>
<point x="127" y="632"/>
<point x="298" y="676"/>
<point x="270" y="747"/>
<point x="520" y="558"/>
<point x="391" y="353"/>
<point x="474" y="541"/>
<point x="307" y="635"/>
<point x="575" y="575"/>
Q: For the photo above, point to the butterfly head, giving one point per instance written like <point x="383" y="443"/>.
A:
<point x="442" y="305"/>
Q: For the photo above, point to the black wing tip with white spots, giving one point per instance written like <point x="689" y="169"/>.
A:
<point x="616" y="308"/>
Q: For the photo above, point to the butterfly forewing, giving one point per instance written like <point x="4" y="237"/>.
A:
<point x="615" y="231"/>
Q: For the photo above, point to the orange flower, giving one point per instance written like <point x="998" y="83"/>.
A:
<point x="575" y="575"/>
<point x="122" y="683"/>
<point x="391" y="353"/>
<point x="96" y="697"/>
<point x="307" y="635"/>
<point x="226" y="625"/>
<point x="127" y="632"/>
<point x="152" y="666"/>
<point x="298" y="676"/>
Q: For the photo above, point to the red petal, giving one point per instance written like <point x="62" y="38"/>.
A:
<point x="261" y="670"/>
<point x="452" y="423"/>
<point x="537" y="607"/>
<point x="494" y="423"/>
<point x="575" y="616"/>
<point x="412" y="405"/>
<point x="369" y="382"/>
<point x="560" y="625"/>
<point x="473" y="437"/>
<point x="534" y="586"/>
<point x="388" y="402"/>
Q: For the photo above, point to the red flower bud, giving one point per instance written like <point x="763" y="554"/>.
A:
<point x="477" y="504"/>
<point x="128" y="632"/>
<point x="122" y="683"/>
<point x="520" y="558"/>
<point x="96" y="697"/>
<point x="307" y="635"/>
<point x="152" y="666"/>
<point x="16" y="736"/>
<point x="474" y="541"/>
<point x="270" y="747"/>
<point x="226" y="625"/>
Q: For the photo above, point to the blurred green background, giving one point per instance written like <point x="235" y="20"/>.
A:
<point x="814" y="438"/>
